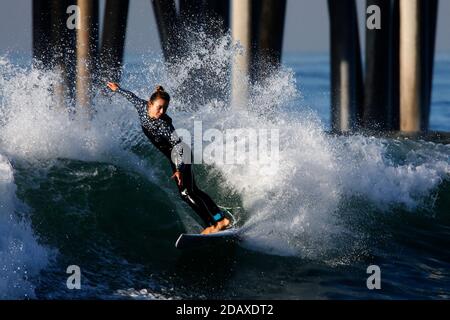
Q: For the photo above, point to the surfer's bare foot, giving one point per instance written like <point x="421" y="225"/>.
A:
<point x="221" y="225"/>
<point x="207" y="230"/>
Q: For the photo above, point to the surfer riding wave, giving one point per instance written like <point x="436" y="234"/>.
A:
<point x="158" y="128"/>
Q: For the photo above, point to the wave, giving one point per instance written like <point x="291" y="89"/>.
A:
<point x="21" y="256"/>
<point x="304" y="206"/>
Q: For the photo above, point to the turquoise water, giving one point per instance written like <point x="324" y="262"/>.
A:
<point x="96" y="194"/>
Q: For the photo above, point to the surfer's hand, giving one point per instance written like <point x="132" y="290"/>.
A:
<point x="113" y="86"/>
<point x="177" y="175"/>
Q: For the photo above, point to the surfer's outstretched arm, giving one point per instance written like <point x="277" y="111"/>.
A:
<point x="130" y="96"/>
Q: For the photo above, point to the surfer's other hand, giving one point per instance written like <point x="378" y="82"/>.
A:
<point x="177" y="175"/>
<point x="113" y="86"/>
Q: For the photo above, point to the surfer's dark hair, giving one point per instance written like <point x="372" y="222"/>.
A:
<point x="160" y="93"/>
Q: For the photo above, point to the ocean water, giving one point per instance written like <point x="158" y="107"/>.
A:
<point x="96" y="194"/>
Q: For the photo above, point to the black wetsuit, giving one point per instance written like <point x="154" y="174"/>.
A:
<point x="162" y="134"/>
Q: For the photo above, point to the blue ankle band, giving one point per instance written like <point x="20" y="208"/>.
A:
<point x="218" y="216"/>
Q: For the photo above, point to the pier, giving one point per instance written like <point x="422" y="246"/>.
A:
<point x="389" y="90"/>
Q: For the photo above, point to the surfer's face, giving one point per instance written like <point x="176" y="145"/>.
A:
<point x="157" y="108"/>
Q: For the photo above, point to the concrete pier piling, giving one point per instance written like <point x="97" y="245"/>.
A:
<point x="417" y="35"/>
<point x="430" y="10"/>
<point x="113" y="39"/>
<point x="379" y="65"/>
<point x="192" y="8"/>
<point x="346" y="70"/>
<point x="394" y="110"/>
<point x="166" y="20"/>
<point x="219" y="9"/>
<point x="271" y="30"/>
<point x="62" y="48"/>
<point x="241" y="27"/>
<point x="87" y="51"/>
<point x="42" y="30"/>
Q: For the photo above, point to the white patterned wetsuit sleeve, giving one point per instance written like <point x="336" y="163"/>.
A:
<point x="135" y="100"/>
<point x="177" y="153"/>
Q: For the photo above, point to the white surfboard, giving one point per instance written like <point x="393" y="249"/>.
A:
<point x="194" y="240"/>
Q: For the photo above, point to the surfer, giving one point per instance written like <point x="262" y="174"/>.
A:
<point x="158" y="128"/>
